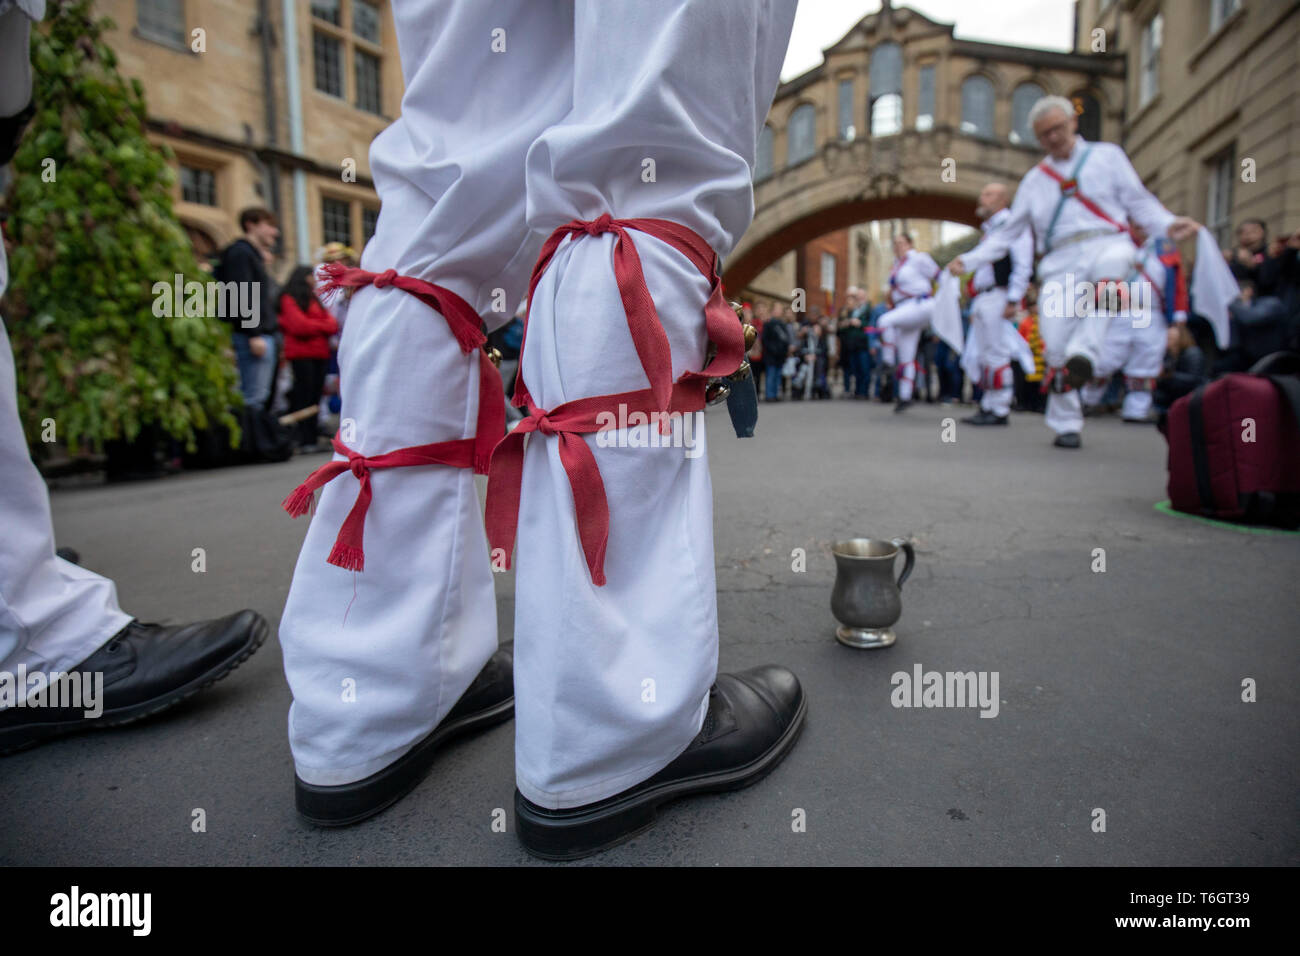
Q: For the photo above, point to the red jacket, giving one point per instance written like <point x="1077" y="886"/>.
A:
<point x="306" y="335"/>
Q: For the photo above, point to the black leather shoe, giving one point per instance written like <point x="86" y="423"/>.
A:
<point x="488" y="701"/>
<point x="902" y="406"/>
<point x="753" y="720"/>
<point x="145" y="668"/>
<point x="1068" y="440"/>
<point x="985" y="418"/>
<point x="1078" y="371"/>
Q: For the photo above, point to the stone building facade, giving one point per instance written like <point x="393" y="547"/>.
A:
<point x="1211" y="103"/>
<point x="217" y="88"/>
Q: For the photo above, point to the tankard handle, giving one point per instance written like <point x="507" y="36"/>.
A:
<point x="909" y="559"/>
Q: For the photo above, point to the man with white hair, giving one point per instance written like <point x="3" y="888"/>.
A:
<point x="911" y="300"/>
<point x="1076" y="200"/>
<point x="996" y="290"/>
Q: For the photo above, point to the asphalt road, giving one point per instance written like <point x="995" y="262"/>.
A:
<point x="1119" y="691"/>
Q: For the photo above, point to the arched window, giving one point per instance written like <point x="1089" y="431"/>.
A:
<point x="763" y="159"/>
<point x="801" y="137"/>
<point x="1088" y="110"/>
<point x="1022" y="101"/>
<point x="886" y="93"/>
<point x="847" y="130"/>
<point x="977" y="106"/>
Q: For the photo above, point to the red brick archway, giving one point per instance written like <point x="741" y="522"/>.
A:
<point x="740" y="272"/>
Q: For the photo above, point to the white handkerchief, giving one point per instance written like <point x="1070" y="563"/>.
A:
<point x="1214" y="286"/>
<point x="946" y="320"/>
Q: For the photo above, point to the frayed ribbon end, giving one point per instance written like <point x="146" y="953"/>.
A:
<point x="298" y="502"/>
<point x="347" y="557"/>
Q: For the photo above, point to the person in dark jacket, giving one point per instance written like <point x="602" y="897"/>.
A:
<point x="1185" y="368"/>
<point x="307" y="328"/>
<point x="243" y="261"/>
<point x="778" y="344"/>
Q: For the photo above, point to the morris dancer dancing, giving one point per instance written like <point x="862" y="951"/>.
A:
<point x="524" y="120"/>
<point x="911" y="300"/>
<point x="1076" y="200"/>
<point x="996" y="290"/>
<point x="61" y="630"/>
<point x="1136" y="343"/>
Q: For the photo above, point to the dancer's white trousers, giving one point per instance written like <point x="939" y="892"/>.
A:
<point x="635" y="109"/>
<point x="987" y="330"/>
<point x="53" y="614"/>
<point x="1136" y="346"/>
<point x="1069" y="326"/>
<point x="902" y="326"/>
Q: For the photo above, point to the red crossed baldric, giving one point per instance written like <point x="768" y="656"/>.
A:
<point x="568" y="422"/>
<point x="347" y="551"/>
<point x="1070" y="187"/>
<point x="465" y="326"/>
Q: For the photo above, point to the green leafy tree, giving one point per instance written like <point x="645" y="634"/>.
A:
<point x="93" y="228"/>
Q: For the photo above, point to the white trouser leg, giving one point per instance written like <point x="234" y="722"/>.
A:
<point x="1069" y="321"/>
<point x="1145" y="360"/>
<point x="53" y="614"/>
<point x="652" y="82"/>
<point x="903" y="325"/>
<point x="1114" y="351"/>
<point x="1092" y="393"/>
<point x="1137" y="403"/>
<point x="377" y="658"/>
<point x="995" y="353"/>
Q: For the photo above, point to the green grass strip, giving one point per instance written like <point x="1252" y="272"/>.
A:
<point x="1166" y="508"/>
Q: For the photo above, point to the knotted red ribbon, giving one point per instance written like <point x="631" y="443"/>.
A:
<point x="347" y="551"/>
<point x="573" y="419"/>
<point x="569" y="422"/>
<point x="642" y="318"/>
<point x="465" y="326"/>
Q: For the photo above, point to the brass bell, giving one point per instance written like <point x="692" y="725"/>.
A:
<point x="751" y="334"/>
<point x="742" y="373"/>
<point x="717" y="392"/>
<point x="494" y="356"/>
<point x="737" y="307"/>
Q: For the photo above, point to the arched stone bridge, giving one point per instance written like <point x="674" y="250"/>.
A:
<point x="865" y="135"/>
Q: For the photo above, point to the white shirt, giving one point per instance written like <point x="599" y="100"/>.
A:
<point x="1107" y="178"/>
<point x="913" y="275"/>
<point x="1022" y="259"/>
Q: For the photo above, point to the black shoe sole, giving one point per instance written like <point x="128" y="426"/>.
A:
<point x="550" y="836"/>
<point x="349" y="803"/>
<point x="40" y="733"/>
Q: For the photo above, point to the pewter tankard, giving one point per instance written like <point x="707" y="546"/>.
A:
<point x="866" y="599"/>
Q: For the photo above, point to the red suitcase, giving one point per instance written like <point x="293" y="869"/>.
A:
<point x="1234" y="446"/>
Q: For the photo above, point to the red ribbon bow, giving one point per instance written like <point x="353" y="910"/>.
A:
<point x="465" y="326"/>
<point x="569" y="422"/>
<point x="573" y="419"/>
<point x="347" y="551"/>
<point x="638" y="305"/>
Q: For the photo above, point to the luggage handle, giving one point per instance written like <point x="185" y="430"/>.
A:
<point x="1283" y="370"/>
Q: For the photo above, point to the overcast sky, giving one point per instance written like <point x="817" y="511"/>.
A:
<point x="1040" y="23"/>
